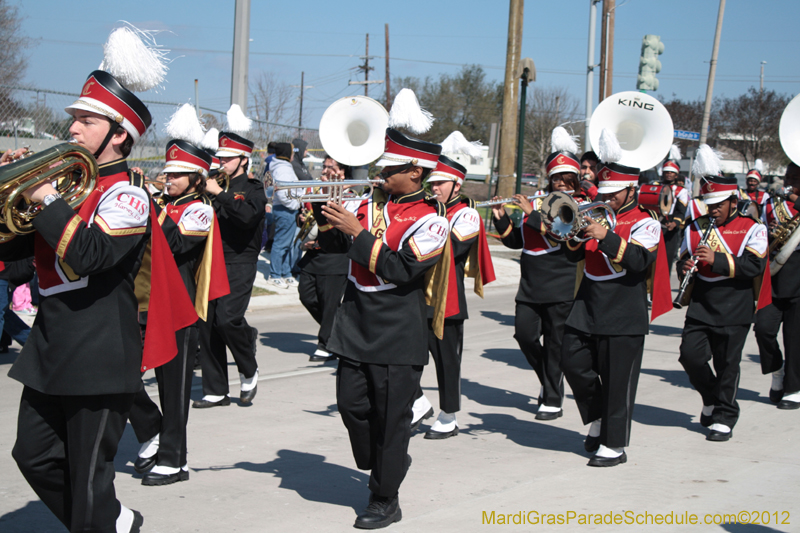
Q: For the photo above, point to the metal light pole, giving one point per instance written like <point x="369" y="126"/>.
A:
<point x="587" y="144"/>
<point x="528" y="75"/>
<point x="762" y="75"/>
<point x="241" y="51"/>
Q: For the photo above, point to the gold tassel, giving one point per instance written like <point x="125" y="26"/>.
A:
<point x="436" y="281"/>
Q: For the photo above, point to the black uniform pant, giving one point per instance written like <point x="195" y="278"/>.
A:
<point x="603" y="372"/>
<point x="672" y="243"/>
<point x="768" y="322"/>
<point x="375" y="404"/>
<point x="447" y="358"/>
<point x="532" y="321"/>
<point x="723" y="345"/>
<point x="174" y="392"/>
<point x="321" y="296"/>
<point x="65" y="449"/>
<point x="225" y="325"/>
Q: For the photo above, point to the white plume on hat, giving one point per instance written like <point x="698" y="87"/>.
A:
<point x="562" y="141"/>
<point x="759" y="166"/>
<point x="184" y="125"/>
<point x="407" y="113"/>
<point x="237" y="122"/>
<point x="456" y="143"/>
<point x="609" y="150"/>
<point x="706" y="162"/>
<point x="210" y="140"/>
<point x="675" y="152"/>
<point x="132" y="56"/>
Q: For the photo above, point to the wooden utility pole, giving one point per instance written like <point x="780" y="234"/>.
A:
<point x="302" y="86"/>
<point x="366" y="69"/>
<point x="388" y="79"/>
<point x="508" y="129"/>
<point x="607" y="49"/>
<point x="712" y="70"/>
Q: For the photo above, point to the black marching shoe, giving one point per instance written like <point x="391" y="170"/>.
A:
<point x="138" y="520"/>
<point x="152" y="479"/>
<point x="145" y="464"/>
<point x="381" y="512"/>
<point x="608" y="461"/>
<point x="591" y="444"/>
<point x="437" y="435"/>
<point x="246" y="397"/>
<point x="775" y="396"/>
<point x="788" y="404"/>
<point x="205" y="404"/>
<point x="549" y="415"/>
<point x="415" y="425"/>
<point x="719" y="436"/>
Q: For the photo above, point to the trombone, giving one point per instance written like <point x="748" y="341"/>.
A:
<point x="326" y="191"/>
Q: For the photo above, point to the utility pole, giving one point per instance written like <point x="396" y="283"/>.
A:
<point x="762" y="76"/>
<point x="712" y="70"/>
<point x="607" y="49"/>
<point x="302" y="86"/>
<point x="241" y="52"/>
<point x="366" y="68"/>
<point x="197" y="99"/>
<point x="388" y="79"/>
<point x="508" y="129"/>
<point x="587" y="144"/>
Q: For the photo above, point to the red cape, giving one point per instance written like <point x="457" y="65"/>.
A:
<point x="661" y="292"/>
<point x="765" y="293"/>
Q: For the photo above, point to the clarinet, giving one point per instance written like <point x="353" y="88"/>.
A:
<point x="687" y="279"/>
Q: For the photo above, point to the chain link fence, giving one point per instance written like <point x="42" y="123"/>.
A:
<point x="35" y="118"/>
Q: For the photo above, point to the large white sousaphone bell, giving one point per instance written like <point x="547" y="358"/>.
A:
<point x="641" y="124"/>
<point x="353" y="130"/>
<point x="789" y="130"/>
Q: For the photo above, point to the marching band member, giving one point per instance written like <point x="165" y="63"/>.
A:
<point x="240" y="212"/>
<point x="190" y="227"/>
<point x="468" y="238"/>
<point x="671" y="227"/>
<point x="588" y="174"/>
<point x="547" y="283"/>
<point x="753" y="193"/>
<point x="604" y="337"/>
<point x="323" y="273"/>
<point x="82" y="362"/>
<point x="785" y="307"/>
<point x="721" y="302"/>
<point x="379" y="333"/>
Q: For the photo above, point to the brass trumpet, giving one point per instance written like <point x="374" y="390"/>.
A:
<point x="71" y="168"/>
<point x="326" y="191"/>
<point x="565" y="218"/>
<point x="222" y="179"/>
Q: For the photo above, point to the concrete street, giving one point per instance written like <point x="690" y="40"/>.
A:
<point x="284" y="463"/>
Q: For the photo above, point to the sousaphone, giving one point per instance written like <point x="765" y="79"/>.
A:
<point x="786" y="237"/>
<point x="641" y="124"/>
<point x="353" y="130"/>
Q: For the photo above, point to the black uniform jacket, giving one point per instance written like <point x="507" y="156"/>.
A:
<point x="547" y="275"/>
<point x="723" y="293"/>
<point x="86" y="339"/>
<point x="382" y="318"/>
<point x="240" y="213"/>
<point x="612" y="297"/>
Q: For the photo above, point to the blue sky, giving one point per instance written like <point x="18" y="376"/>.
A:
<point x="427" y="38"/>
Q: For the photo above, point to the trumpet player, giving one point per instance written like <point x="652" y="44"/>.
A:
<point x="547" y="282"/>
<point x="323" y="269"/>
<point x="673" y="224"/>
<point x="240" y="212"/>
<point x="721" y="303"/>
<point x="785" y="307"/>
<point x="604" y="334"/>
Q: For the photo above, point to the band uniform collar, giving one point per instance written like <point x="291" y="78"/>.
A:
<point x="114" y="167"/>
<point x="410" y="197"/>
<point x="627" y="207"/>
<point x="185" y="199"/>
<point x="734" y="215"/>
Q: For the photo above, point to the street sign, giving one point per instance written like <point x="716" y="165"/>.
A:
<point x="688" y="135"/>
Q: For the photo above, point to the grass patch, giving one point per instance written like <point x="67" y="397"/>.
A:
<point x="258" y="291"/>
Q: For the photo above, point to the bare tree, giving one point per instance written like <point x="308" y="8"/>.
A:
<point x="548" y="107"/>
<point x="274" y="104"/>
<point x="13" y="58"/>
<point x="748" y="124"/>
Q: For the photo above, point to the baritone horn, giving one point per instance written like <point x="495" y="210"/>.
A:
<point x="72" y="170"/>
<point x="565" y="218"/>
